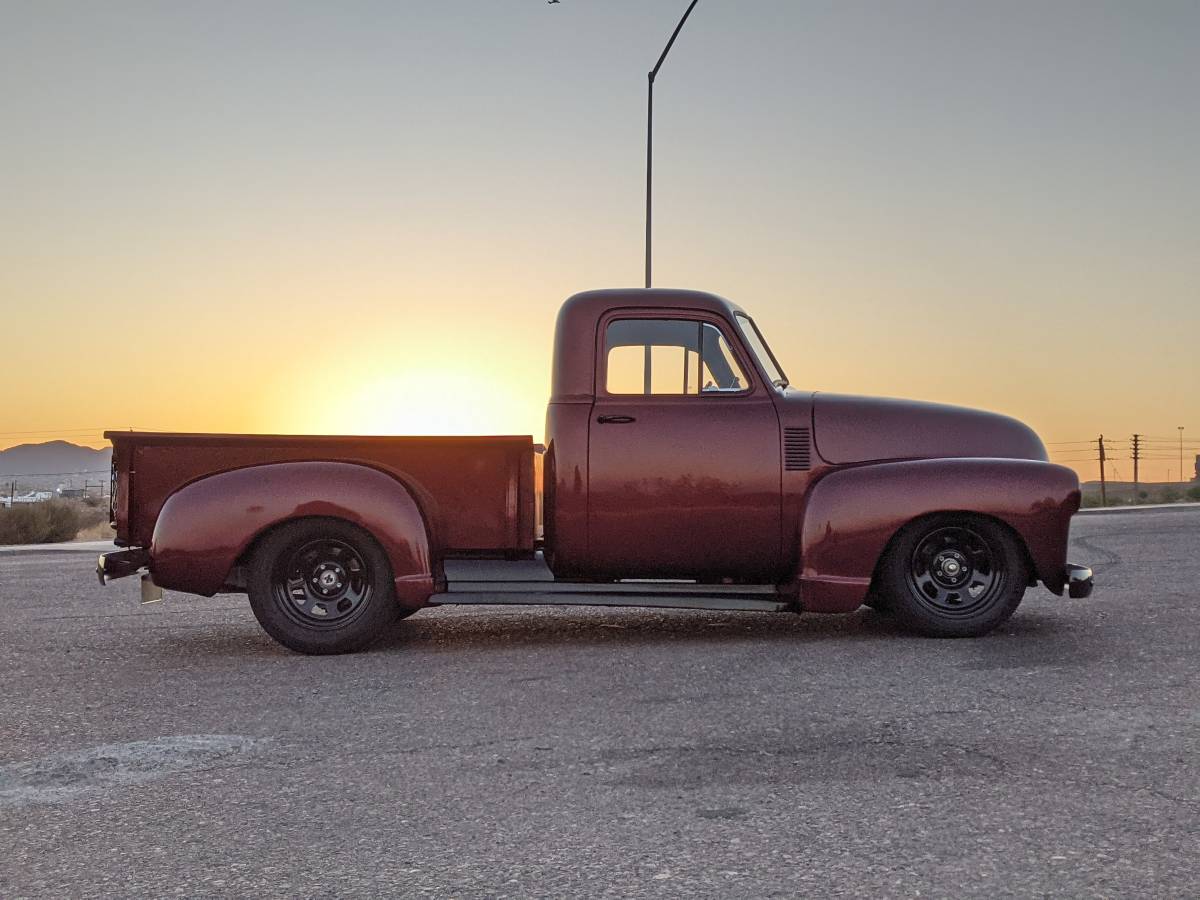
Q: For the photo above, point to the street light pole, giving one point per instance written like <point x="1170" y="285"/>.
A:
<point x="650" y="126"/>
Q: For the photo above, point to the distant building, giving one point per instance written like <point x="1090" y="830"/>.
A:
<point x="31" y="497"/>
<point x="72" y="493"/>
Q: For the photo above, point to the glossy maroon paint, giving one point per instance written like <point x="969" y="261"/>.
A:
<point x="690" y="487"/>
<point x="476" y="493"/>
<point x="865" y="429"/>
<point x="852" y="514"/>
<point x="470" y="495"/>
<point x="697" y="490"/>
<point x="564" y="487"/>
<point x="206" y="526"/>
<point x="693" y="487"/>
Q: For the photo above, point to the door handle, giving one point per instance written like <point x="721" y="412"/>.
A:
<point x="615" y="420"/>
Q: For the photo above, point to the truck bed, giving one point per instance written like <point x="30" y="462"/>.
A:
<point x="478" y="494"/>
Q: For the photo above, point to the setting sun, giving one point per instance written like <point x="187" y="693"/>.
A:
<point x="423" y="401"/>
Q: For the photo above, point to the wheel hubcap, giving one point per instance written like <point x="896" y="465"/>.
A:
<point x="951" y="568"/>
<point x="328" y="578"/>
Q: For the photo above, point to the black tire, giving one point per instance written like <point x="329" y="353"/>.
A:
<point x="878" y="602"/>
<point x="322" y="586"/>
<point x="953" y="576"/>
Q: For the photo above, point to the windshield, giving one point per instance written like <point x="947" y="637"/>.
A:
<point x="761" y="351"/>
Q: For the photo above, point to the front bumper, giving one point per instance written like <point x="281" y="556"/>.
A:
<point x="1079" y="581"/>
<point x="121" y="563"/>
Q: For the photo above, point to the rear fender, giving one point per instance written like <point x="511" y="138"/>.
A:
<point x="206" y="526"/>
<point x="851" y="515"/>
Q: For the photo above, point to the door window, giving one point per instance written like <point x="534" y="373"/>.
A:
<point x="669" y="356"/>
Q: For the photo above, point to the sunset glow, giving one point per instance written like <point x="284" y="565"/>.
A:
<point x="954" y="205"/>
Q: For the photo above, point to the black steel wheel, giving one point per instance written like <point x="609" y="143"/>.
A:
<point x="321" y="583"/>
<point x="953" y="576"/>
<point x="954" y="571"/>
<point x="321" y="586"/>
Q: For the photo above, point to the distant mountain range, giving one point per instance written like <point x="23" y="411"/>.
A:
<point x="54" y="458"/>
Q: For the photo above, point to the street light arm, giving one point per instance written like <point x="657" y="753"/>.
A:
<point x="674" y="34"/>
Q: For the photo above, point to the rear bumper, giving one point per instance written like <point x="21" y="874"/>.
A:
<point x="1079" y="581"/>
<point x="121" y="563"/>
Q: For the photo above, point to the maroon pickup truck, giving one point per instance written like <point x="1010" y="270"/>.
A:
<point x="680" y="469"/>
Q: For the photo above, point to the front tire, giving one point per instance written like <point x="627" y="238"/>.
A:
<point x="953" y="576"/>
<point x="322" y="586"/>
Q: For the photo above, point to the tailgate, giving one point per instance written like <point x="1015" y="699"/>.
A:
<point x="118" y="489"/>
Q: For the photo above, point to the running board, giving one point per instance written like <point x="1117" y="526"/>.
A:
<point x="543" y="594"/>
<point x="638" y="588"/>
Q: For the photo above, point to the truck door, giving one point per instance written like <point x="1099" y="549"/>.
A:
<point x="684" y="453"/>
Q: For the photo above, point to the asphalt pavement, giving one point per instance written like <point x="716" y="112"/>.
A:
<point x="174" y="749"/>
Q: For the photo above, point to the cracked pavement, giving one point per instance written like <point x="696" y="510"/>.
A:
<point x="174" y="749"/>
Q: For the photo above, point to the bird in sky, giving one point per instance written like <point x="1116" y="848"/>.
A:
<point x="548" y="2"/>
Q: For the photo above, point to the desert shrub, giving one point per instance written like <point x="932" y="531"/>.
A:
<point x="1193" y="493"/>
<point x="101" y="531"/>
<point x="1090" y="501"/>
<point x="39" y="523"/>
<point x="1142" y="496"/>
<point x="1168" y="495"/>
<point x="91" y="514"/>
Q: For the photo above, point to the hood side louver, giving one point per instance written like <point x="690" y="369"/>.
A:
<point x="797" y="449"/>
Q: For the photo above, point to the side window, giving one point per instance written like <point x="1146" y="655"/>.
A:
<point x="669" y="356"/>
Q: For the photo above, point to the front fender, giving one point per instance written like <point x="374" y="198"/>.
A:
<point x="852" y="513"/>
<point x="205" y="526"/>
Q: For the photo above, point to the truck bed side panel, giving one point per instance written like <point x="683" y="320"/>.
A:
<point x="477" y="493"/>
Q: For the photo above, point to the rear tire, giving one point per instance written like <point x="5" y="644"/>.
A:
<point x="877" y="602"/>
<point x="953" y="576"/>
<point x="322" y="586"/>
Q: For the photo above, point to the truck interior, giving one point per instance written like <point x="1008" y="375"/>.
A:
<point x="669" y="356"/>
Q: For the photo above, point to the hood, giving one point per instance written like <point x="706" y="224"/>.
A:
<point x="850" y="429"/>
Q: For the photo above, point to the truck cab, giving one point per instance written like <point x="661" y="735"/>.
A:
<point x="680" y="468"/>
<point x="664" y="444"/>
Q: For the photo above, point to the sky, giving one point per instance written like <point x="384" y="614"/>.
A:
<point x="362" y="217"/>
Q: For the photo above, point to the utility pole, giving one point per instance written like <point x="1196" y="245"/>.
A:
<point x="1136" y="456"/>
<point x="1180" y="427"/>
<point x="1103" y="488"/>
<point x="650" y="126"/>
